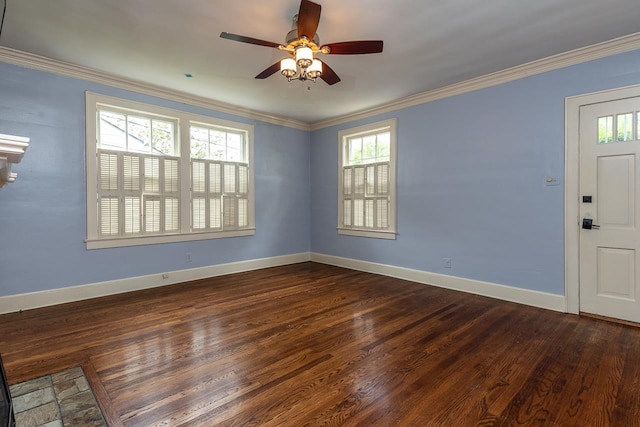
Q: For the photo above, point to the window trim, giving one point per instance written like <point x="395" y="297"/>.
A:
<point x="184" y="120"/>
<point x="343" y="136"/>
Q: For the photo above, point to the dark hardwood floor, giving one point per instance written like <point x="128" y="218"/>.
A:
<point x="311" y="344"/>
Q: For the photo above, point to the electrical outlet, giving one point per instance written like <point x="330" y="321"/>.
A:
<point x="447" y="262"/>
<point x="165" y="275"/>
<point x="187" y="257"/>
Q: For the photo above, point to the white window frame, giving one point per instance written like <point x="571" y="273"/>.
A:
<point x="184" y="121"/>
<point x="343" y="137"/>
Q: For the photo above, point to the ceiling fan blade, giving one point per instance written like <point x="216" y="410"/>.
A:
<point x="269" y="71"/>
<point x="308" y="19"/>
<point x="328" y="75"/>
<point x="355" y="47"/>
<point x="250" y="40"/>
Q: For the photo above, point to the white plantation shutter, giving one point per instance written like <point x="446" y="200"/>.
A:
<point x="171" y="214"/>
<point x="229" y="215"/>
<point x="108" y="211"/>
<point x="125" y="205"/>
<point x="215" y="178"/>
<point x="219" y="191"/>
<point x="171" y="203"/>
<point x="358" y="213"/>
<point x="138" y="158"/>
<point x="152" y="214"/>
<point x="215" y="212"/>
<point x="382" y="213"/>
<point x="132" y="194"/>
<point x="108" y="171"/>
<point x="346" y="210"/>
<point x="347" y="182"/>
<point x="215" y="191"/>
<point x="368" y="213"/>
<point x="358" y="184"/>
<point x="131" y="170"/>
<point x="151" y="175"/>
<point x="243" y="212"/>
<point x="108" y="203"/>
<point x="365" y="192"/>
<point x="199" y="212"/>
<point x="371" y="180"/>
<point x="171" y="173"/>
<point x="199" y="191"/>
<point x="382" y="179"/>
<point x="229" y="178"/>
<point x="198" y="184"/>
<point x="131" y="215"/>
<point x="243" y="179"/>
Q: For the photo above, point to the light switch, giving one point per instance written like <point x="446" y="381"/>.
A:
<point x="552" y="181"/>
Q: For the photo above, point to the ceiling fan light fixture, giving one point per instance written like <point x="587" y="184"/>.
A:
<point x="315" y="69"/>
<point x="304" y="56"/>
<point x="302" y="43"/>
<point x="288" y="67"/>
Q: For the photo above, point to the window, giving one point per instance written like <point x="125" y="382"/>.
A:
<point x="621" y="131"/>
<point x="145" y="186"/>
<point x="220" y="178"/>
<point x="367" y="156"/>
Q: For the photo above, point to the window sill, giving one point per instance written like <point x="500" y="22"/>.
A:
<point x="169" y="238"/>
<point x="375" y="234"/>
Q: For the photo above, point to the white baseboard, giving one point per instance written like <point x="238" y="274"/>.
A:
<point x="13" y="303"/>
<point x="507" y="293"/>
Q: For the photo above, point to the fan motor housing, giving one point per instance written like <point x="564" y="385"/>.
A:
<point x="292" y="36"/>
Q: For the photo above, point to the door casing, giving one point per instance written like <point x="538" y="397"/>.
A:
<point x="572" y="187"/>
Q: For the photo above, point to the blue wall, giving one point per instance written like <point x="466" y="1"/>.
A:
<point x="471" y="182"/>
<point x="43" y="214"/>
<point x="471" y="186"/>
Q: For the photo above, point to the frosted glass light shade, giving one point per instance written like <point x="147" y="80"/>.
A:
<point x="304" y="56"/>
<point x="315" y="69"/>
<point x="288" y="67"/>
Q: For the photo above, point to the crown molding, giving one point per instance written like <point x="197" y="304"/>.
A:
<point x="562" y="60"/>
<point x="36" y="62"/>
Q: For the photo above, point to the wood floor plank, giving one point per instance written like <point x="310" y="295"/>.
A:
<point x="102" y="397"/>
<point x="311" y="344"/>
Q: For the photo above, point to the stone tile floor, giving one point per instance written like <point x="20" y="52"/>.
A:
<point x="63" y="399"/>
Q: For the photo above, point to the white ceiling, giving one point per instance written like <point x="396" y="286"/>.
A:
<point x="428" y="44"/>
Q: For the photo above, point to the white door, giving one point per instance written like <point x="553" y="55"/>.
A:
<point x="609" y="168"/>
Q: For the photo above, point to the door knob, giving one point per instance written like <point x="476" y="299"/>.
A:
<point x="587" y="224"/>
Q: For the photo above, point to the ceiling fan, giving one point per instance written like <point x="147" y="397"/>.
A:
<point x="303" y="44"/>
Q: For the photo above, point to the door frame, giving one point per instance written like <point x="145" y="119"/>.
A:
<point x="572" y="186"/>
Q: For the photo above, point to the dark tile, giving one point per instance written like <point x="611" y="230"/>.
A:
<point x="77" y="402"/>
<point x="63" y="399"/>
<point x="81" y="407"/>
<point x="90" y="417"/>
<point x="38" y="416"/>
<point x="67" y="375"/>
<point x="30" y="386"/>
<point x="67" y="388"/>
<point x="34" y="399"/>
